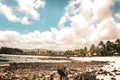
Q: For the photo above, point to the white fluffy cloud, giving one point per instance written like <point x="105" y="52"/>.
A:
<point x="91" y="22"/>
<point x="25" y="20"/>
<point x="117" y="15"/>
<point x="27" y="7"/>
<point x="8" y="12"/>
<point x="108" y="29"/>
<point x="91" y="10"/>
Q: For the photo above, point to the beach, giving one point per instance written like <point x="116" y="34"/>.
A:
<point x="42" y="71"/>
<point x="77" y="68"/>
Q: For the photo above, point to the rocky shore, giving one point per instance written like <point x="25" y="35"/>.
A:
<point x="51" y="71"/>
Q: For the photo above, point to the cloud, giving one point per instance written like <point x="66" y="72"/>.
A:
<point x="108" y="29"/>
<point x="91" y="22"/>
<point x="54" y="39"/>
<point x="117" y="15"/>
<point x="101" y="9"/>
<point x="28" y="8"/>
<point x="8" y="12"/>
<point x="69" y="9"/>
<point x="25" y="20"/>
<point x="9" y="38"/>
<point x="92" y="10"/>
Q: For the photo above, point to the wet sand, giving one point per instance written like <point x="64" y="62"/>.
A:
<point x="20" y="67"/>
<point x="43" y="71"/>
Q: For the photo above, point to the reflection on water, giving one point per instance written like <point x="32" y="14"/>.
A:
<point x="31" y="59"/>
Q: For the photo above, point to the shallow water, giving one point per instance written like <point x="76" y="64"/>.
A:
<point x="113" y="67"/>
<point x="31" y="59"/>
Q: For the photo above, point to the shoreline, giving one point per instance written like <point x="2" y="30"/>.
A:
<point x="43" y="70"/>
<point x="42" y="67"/>
<point x="54" y="55"/>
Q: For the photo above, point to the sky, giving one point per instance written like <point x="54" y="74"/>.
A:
<point x="58" y="24"/>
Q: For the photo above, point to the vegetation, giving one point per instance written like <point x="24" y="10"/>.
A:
<point x="6" y="50"/>
<point x="102" y="49"/>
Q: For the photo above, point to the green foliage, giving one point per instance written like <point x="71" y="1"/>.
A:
<point x="102" y="49"/>
<point x="6" y="50"/>
<point x="69" y="53"/>
<point x="92" y="49"/>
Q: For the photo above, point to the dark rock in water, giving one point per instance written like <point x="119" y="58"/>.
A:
<point x="114" y="70"/>
<point x="85" y="76"/>
<point x="117" y="73"/>
<point x="77" y="77"/>
<point x="2" y="60"/>
<point x="48" y="71"/>
<point x="113" y="78"/>
<point x="51" y="77"/>
<point x="63" y="73"/>
<point x="105" y="72"/>
<point x="101" y="70"/>
<point x="111" y="74"/>
<point x="34" y="77"/>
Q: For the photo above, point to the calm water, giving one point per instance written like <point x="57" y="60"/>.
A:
<point x="31" y="59"/>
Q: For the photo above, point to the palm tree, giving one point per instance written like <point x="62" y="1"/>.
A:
<point x="118" y="45"/>
<point x="101" y="44"/>
<point x="92" y="49"/>
<point x="101" y="47"/>
<point x="117" y="41"/>
<point x="108" y="48"/>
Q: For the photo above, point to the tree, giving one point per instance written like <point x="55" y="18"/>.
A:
<point x="85" y="49"/>
<point x="117" y="41"/>
<point x="101" y="47"/>
<point x="110" y="46"/>
<point x="92" y="49"/>
<point x="68" y="53"/>
<point x="82" y="52"/>
<point x="101" y="43"/>
<point x="118" y="49"/>
<point x="6" y="50"/>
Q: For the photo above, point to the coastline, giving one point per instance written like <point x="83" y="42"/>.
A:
<point x="42" y="67"/>
<point x="44" y="70"/>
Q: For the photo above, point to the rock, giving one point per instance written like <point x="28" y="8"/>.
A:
<point x="114" y="70"/>
<point x="62" y="71"/>
<point x="117" y="73"/>
<point x="51" y="77"/>
<point x="105" y="72"/>
<point x="78" y="77"/>
<point x="113" y="78"/>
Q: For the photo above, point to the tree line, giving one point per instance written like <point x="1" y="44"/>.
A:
<point x="7" y="50"/>
<point x="107" y="48"/>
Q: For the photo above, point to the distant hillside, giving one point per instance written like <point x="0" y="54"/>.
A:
<point x="6" y="50"/>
